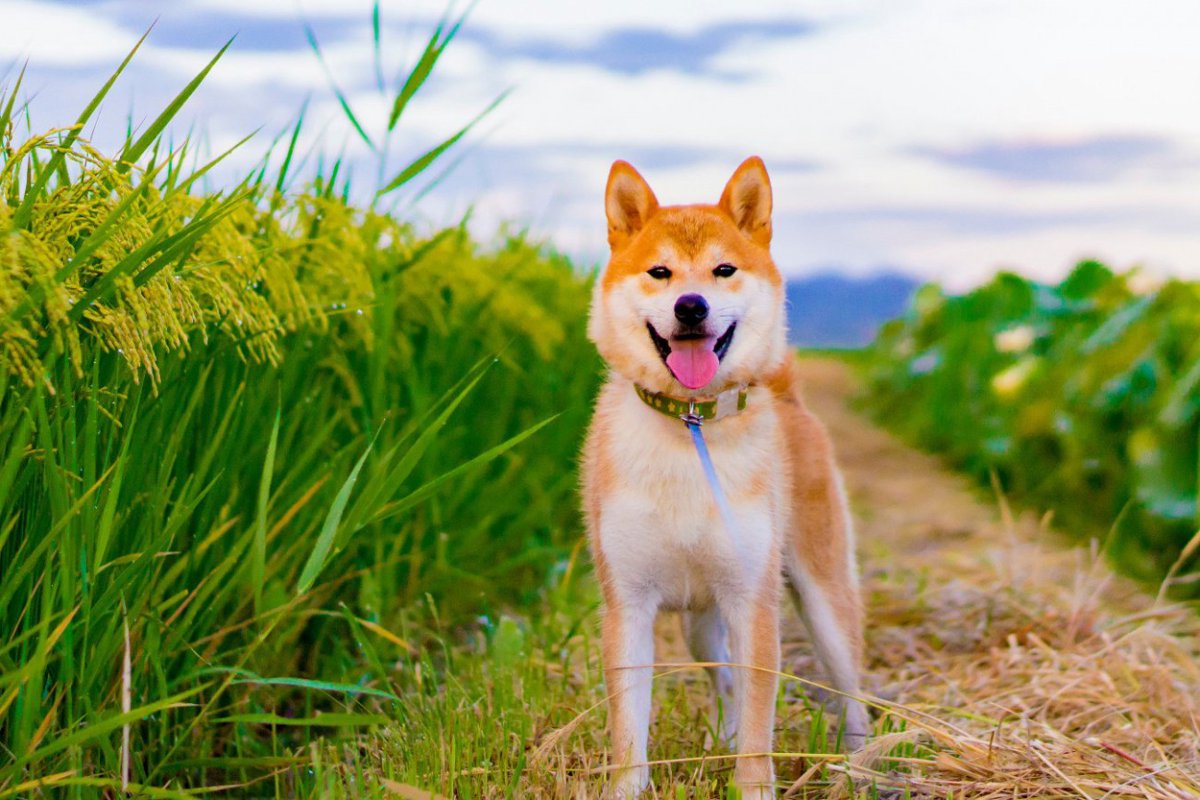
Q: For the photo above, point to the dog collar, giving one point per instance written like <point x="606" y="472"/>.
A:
<point x="726" y="404"/>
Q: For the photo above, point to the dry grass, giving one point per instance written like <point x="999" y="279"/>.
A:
<point x="1004" y="663"/>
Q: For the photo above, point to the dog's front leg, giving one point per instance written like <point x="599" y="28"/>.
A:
<point x="754" y="640"/>
<point x="627" y="642"/>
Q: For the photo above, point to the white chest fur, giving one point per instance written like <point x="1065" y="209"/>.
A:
<point x="658" y="527"/>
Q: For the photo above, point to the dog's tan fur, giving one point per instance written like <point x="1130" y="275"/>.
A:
<point x="656" y="538"/>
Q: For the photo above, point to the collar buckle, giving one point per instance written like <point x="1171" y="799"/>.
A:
<point x="691" y="417"/>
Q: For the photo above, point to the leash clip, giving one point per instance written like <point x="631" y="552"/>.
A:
<point x="691" y="417"/>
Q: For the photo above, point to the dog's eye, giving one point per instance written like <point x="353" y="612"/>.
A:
<point x="659" y="273"/>
<point x="724" y="270"/>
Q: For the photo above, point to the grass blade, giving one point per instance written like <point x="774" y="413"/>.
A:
<point x="65" y="779"/>
<point x="341" y="97"/>
<point x="424" y="67"/>
<point x="281" y="179"/>
<point x="133" y="152"/>
<point x="202" y="171"/>
<point x="104" y="529"/>
<point x="392" y="509"/>
<point x="324" y="686"/>
<point x="330" y="720"/>
<point x="258" y="567"/>
<point x="394" y="476"/>
<point x="375" y="42"/>
<point x="320" y="551"/>
<point x="6" y="114"/>
<point x="101" y="728"/>
<point x="419" y="165"/>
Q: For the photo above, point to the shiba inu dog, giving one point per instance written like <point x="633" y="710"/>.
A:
<point x="689" y="316"/>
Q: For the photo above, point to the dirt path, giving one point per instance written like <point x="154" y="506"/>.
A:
<point x="1021" y="663"/>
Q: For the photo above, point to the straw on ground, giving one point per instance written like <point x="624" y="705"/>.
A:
<point x="1005" y="662"/>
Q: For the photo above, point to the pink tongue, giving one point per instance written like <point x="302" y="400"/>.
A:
<point x="693" y="362"/>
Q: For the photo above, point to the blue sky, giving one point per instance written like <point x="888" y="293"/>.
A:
<point x="944" y="138"/>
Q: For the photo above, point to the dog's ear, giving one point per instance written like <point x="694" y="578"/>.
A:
<point x="628" y="201"/>
<point x="747" y="199"/>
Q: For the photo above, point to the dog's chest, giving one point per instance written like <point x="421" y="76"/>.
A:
<point x="661" y="528"/>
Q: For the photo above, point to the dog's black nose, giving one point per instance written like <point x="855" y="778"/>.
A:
<point x="691" y="309"/>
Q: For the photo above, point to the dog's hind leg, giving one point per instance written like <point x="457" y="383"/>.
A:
<point x="830" y="614"/>
<point x="822" y="568"/>
<point x="708" y="641"/>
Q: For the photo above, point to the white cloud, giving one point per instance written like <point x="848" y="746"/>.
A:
<point x="284" y="9"/>
<point x="868" y="97"/>
<point x="55" y="34"/>
<point x="562" y="21"/>
<point x="245" y="70"/>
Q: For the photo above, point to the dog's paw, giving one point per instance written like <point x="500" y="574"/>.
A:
<point x="754" y="777"/>
<point x="629" y="783"/>
<point x="757" y="791"/>
<point x="856" y="726"/>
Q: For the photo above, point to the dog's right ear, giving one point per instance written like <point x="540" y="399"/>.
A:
<point x="628" y="201"/>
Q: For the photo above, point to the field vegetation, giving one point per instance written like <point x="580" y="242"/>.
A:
<point x="1081" y="398"/>
<point x="259" y="445"/>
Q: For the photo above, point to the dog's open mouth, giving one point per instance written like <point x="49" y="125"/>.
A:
<point x="692" y="357"/>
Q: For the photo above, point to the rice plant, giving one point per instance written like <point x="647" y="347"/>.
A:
<point x="247" y="437"/>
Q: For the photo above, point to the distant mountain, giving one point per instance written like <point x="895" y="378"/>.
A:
<point x="831" y="310"/>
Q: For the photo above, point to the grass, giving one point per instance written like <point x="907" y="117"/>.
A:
<point x="246" y="435"/>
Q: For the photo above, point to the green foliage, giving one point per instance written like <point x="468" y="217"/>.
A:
<point x="257" y="428"/>
<point x="1081" y="397"/>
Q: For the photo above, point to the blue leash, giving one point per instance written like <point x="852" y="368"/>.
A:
<point x="693" y="423"/>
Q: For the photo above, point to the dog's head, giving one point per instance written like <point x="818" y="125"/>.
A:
<point x="691" y="303"/>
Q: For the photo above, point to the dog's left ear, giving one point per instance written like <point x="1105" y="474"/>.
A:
<point x="747" y="199"/>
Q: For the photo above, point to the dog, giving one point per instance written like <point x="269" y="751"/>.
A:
<point x="688" y="314"/>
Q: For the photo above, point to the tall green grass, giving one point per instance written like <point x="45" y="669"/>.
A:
<point x="246" y="438"/>
<point x="1079" y="397"/>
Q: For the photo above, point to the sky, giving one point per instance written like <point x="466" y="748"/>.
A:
<point x="944" y="139"/>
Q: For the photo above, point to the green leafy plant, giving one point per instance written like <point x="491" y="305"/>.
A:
<point x="1080" y="397"/>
